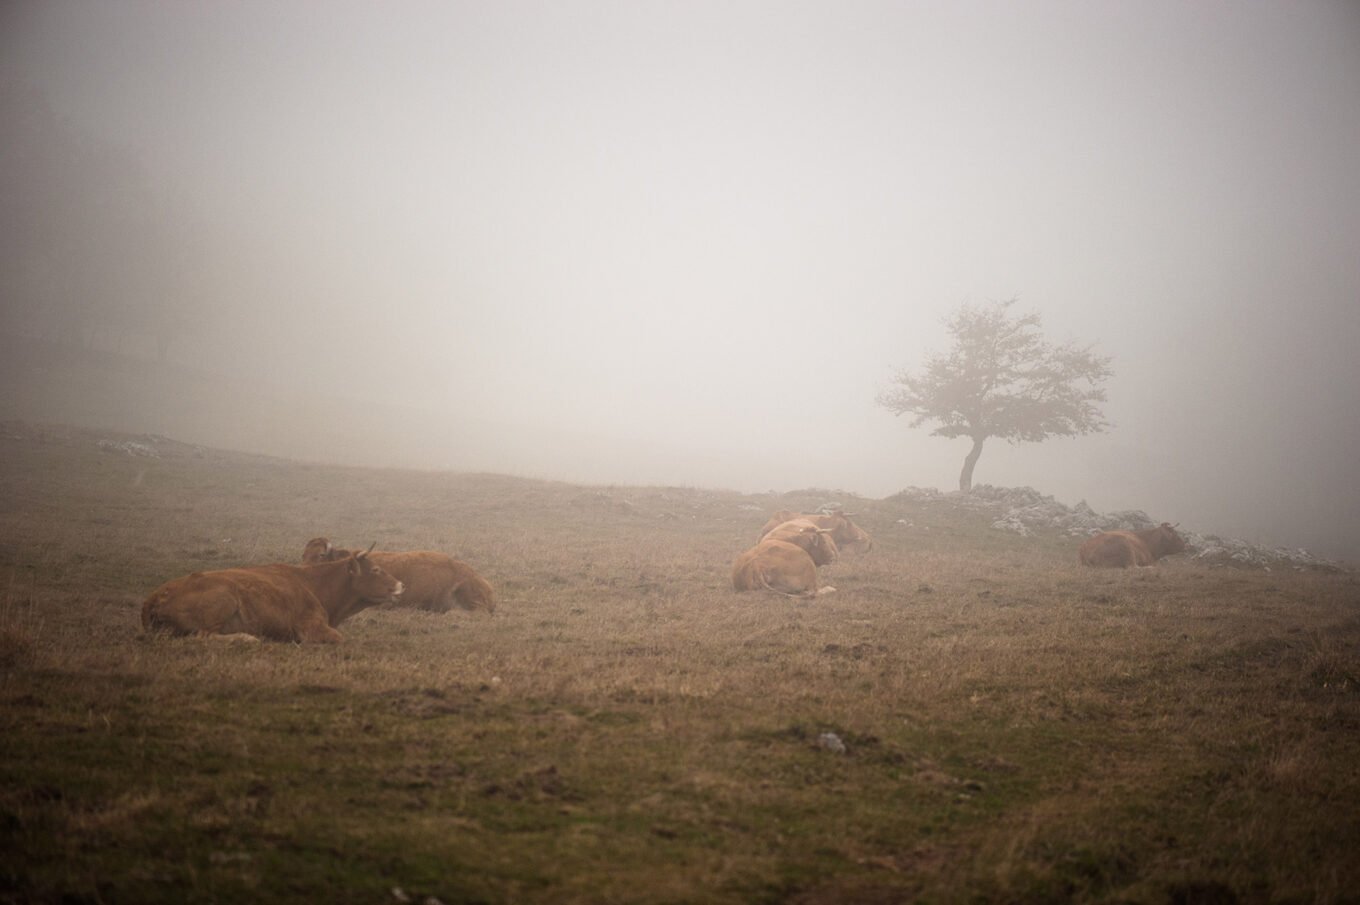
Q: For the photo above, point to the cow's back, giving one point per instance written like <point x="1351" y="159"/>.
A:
<point x="805" y="534"/>
<point x="777" y="519"/>
<point x="848" y="536"/>
<point x="1114" y="550"/>
<point x="776" y="565"/>
<point x="265" y="601"/>
<point x="436" y="581"/>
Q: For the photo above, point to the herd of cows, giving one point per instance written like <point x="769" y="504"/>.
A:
<point x="791" y="547"/>
<point x="305" y="603"/>
<point x="285" y="602"/>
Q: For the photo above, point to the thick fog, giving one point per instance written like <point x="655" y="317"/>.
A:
<point x="690" y="243"/>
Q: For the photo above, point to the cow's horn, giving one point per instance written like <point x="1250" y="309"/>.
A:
<point x="328" y="546"/>
<point x="370" y="549"/>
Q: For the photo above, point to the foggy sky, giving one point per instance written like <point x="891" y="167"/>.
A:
<point x="693" y="241"/>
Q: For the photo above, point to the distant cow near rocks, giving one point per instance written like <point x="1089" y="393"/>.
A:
<point x="1121" y="549"/>
<point x="434" y="581"/>
<point x="849" y="537"/>
<point x="277" y="602"/>
<point x="779" y="566"/>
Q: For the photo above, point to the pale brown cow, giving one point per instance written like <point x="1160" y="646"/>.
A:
<point x="779" y="566"/>
<point x="434" y="581"/>
<point x="816" y="542"/>
<point x="278" y="602"/>
<point x="849" y="537"/>
<point x="1121" y="549"/>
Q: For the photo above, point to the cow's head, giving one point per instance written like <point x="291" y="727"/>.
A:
<point x="819" y="544"/>
<point x="1165" y="541"/>
<point x="816" y="541"/>
<point x="369" y="581"/>
<point x="319" y="549"/>
<point x="849" y="536"/>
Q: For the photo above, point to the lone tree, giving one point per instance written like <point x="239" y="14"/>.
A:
<point x="1002" y="379"/>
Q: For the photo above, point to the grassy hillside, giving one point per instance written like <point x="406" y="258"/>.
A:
<point x="626" y="728"/>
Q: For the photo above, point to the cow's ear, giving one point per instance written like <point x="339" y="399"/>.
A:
<point x="354" y="567"/>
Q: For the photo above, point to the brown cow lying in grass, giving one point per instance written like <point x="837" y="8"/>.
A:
<point x="849" y="537"/>
<point x="279" y="602"/>
<point x="434" y="581"/>
<point x="782" y="567"/>
<point x="1121" y="549"/>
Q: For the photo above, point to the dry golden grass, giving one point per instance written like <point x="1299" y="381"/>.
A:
<point x="627" y="728"/>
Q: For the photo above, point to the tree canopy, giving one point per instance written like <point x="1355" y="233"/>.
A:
<point x="1002" y="379"/>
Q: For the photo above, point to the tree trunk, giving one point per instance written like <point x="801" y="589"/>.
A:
<point x="966" y="476"/>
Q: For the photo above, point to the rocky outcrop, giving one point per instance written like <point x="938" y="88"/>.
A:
<point x="1026" y="511"/>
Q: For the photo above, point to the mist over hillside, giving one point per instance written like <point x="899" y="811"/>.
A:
<point x="691" y="243"/>
<point x="114" y="392"/>
<point x="343" y="423"/>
